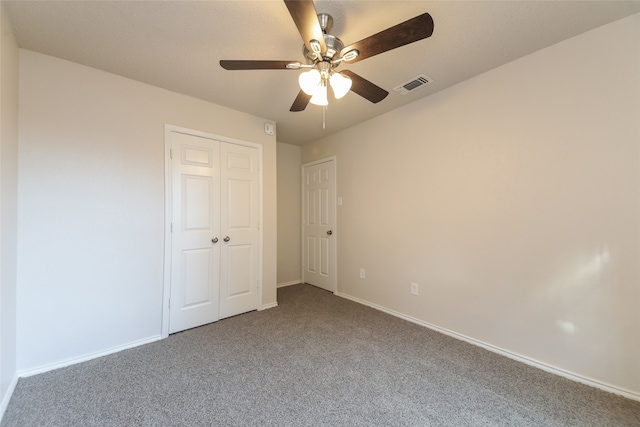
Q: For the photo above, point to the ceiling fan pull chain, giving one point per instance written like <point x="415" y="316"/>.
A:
<point x="324" y="111"/>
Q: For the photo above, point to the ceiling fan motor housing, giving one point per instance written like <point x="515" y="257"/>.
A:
<point x="334" y="44"/>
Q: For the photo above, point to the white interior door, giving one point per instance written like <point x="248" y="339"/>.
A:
<point x="239" y="280"/>
<point x="195" y="226"/>
<point x="318" y="224"/>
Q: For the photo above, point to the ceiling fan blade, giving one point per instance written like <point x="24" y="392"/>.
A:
<point x="410" y="31"/>
<point x="365" y="88"/>
<point x="304" y="15"/>
<point x="301" y="102"/>
<point x="256" y="65"/>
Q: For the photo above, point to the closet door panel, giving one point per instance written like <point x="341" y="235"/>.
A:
<point x="195" y="259"/>
<point x="240" y="215"/>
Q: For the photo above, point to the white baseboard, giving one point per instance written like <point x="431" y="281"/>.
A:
<point x="267" y="306"/>
<point x="531" y="362"/>
<point x="86" y="357"/>
<point x="7" y="396"/>
<point x="293" y="282"/>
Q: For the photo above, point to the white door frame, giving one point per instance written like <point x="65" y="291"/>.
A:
<point x="335" y="216"/>
<point x="166" y="284"/>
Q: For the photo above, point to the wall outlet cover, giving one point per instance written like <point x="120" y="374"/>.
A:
<point x="415" y="288"/>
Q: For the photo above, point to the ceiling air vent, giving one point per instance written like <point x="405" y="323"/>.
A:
<point x="413" y="84"/>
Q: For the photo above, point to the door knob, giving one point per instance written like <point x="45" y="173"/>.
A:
<point x="226" y="239"/>
<point x="329" y="233"/>
<point x="214" y="240"/>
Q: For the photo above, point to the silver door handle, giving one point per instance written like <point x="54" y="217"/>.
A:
<point x="329" y="233"/>
<point x="214" y="240"/>
<point x="226" y="239"/>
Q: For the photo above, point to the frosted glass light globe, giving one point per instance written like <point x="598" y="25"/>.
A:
<point x="309" y="81"/>
<point x="340" y="84"/>
<point x="320" y="97"/>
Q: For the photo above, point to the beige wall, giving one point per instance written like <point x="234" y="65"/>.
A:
<point x="91" y="206"/>
<point x="289" y="215"/>
<point x="8" y="206"/>
<point x="513" y="200"/>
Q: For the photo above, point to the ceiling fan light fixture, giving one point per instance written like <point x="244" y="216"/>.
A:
<point x="340" y="84"/>
<point x="310" y="81"/>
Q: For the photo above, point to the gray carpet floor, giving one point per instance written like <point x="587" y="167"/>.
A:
<point x="315" y="360"/>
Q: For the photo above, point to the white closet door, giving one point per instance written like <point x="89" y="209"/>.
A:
<point x="195" y="222"/>
<point x="239" y="280"/>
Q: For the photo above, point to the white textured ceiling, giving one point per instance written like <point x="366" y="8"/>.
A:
<point x="177" y="45"/>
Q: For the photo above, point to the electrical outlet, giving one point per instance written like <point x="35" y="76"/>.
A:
<point x="362" y="273"/>
<point x="415" y="289"/>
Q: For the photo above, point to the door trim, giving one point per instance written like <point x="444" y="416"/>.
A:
<point x="168" y="204"/>
<point x="334" y="160"/>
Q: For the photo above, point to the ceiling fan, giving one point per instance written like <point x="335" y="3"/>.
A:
<point x="324" y="52"/>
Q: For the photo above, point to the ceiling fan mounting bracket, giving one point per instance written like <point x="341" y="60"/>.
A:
<point x="326" y="22"/>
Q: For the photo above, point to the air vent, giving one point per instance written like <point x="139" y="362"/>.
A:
<point x="413" y="84"/>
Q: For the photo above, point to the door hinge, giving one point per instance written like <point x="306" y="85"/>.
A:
<point x="170" y="153"/>
<point x="172" y="227"/>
